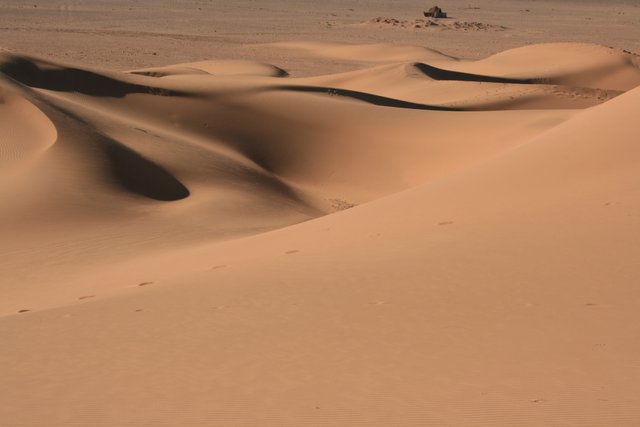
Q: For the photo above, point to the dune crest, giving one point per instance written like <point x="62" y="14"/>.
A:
<point x="25" y="130"/>
<point x="216" y="68"/>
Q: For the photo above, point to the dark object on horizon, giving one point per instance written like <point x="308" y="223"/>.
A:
<point x="435" y="12"/>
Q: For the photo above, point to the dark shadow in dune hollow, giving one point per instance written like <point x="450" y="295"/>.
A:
<point x="441" y="74"/>
<point x="52" y="77"/>
<point x="366" y="97"/>
<point x="141" y="176"/>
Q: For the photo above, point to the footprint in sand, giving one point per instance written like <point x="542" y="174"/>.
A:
<point x="23" y="311"/>
<point x="294" y="251"/>
<point x="145" y="283"/>
<point x="445" y="223"/>
<point x="86" y="297"/>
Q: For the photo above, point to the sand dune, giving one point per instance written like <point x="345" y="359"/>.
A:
<point x="381" y="52"/>
<point x="216" y="68"/>
<point x="423" y="241"/>
<point x="572" y="64"/>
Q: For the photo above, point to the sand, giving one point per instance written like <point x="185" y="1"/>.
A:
<point x="339" y="227"/>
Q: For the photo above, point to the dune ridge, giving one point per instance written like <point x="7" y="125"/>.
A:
<point x="426" y="240"/>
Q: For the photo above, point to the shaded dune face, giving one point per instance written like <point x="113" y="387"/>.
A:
<point x="45" y="75"/>
<point x="436" y="73"/>
<point x="141" y="176"/>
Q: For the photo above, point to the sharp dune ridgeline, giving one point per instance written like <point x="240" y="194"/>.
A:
<point x="422" y="241"/>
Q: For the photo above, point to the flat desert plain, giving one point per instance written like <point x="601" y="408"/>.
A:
<point x="305" y="213"/>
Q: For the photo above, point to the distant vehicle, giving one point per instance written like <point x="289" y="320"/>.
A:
<point x="435" y="12"/>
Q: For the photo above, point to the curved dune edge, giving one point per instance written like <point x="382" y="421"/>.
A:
<point x="216" y="68"/>
<point x="25" y="131"/>
<point x="424" y="241"/>
<point x="570" y="64"/>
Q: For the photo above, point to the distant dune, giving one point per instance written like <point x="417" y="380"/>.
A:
<point x="423" y="241"/>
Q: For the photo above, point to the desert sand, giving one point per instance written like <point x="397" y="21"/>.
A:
<point x="305" y="215"/>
